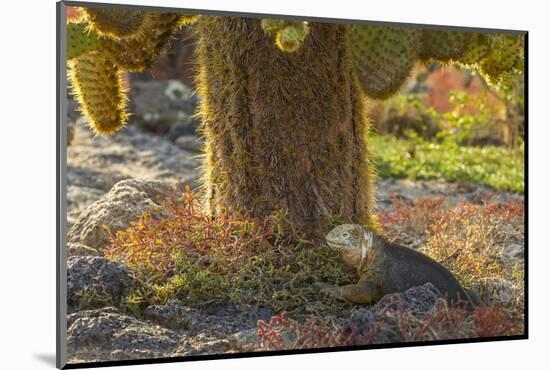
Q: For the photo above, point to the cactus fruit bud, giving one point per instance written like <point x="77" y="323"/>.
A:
<point x="79" y="41"/>
<point x="97" y="85"/>
<point x="291" y="37"/>
<point x="114" y="23"/>
<point x="443" y="46"/>
<point x="272" y="26"/>
<point x="383" y="57"/>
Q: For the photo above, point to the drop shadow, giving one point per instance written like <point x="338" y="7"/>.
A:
<point x="47" y="358"/>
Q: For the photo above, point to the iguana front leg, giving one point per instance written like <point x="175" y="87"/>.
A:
<point x="362" y="293"/>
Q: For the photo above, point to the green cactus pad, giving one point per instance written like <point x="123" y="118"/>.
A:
<point x="138" y="53"/>
<point x="504" y="59"/>
<point x="443" y="46"/>
<point x="291" y="37"/>
<point x="383" y="57"/>
<point x="97" y="85"/>
<point x="477" y="48"/>
<point x="80" y="41"/>
<point x="114" y="23"/>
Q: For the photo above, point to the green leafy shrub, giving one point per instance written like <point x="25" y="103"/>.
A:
<point x="495" y="116"/>
<point x="434" y="145"/>
<point x="498" y="167"/>
<point x="202" y="259"/>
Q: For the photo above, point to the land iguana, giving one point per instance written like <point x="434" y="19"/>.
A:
<point x="386" y="268"/>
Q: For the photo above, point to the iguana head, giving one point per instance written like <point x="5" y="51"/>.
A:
<point x="352" y="241"/>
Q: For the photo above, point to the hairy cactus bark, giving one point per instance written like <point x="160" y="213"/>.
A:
<point x="283" y="130"/>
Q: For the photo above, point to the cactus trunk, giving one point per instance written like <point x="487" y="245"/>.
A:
<point x="283" y="130"/>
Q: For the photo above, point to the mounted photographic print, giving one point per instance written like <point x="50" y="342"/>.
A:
<point x="239" y="184"/>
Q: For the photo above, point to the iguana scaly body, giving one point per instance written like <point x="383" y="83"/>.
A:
<point x="386" y="268"/>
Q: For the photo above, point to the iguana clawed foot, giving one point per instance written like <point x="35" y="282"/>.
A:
<point x="330" y="289"/>
<point x="363" y="293"/>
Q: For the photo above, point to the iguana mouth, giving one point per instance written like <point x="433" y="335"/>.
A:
<point x="336" y="245"/>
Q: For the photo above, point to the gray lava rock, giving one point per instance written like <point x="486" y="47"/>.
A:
<point x="121" y="205"/>
<point x="378" y="324"/>
<point x="93" y="178"/>
<point x="73" y="112"/>
<point x="182" y="128"/>
<point x="191" y="143"/>
<point x="514" y="251"/>
<point x="228" y="318"/>
<point x="94" y="282"/>
<point x="106" y="334"/>
<point x="78" y="249"/>
<point x="158" y="104"/>
<point x="364" y="323"/>
<point x="95" y="164"/>
<point x="70" y="131"/>
<point x="244" y="339"/>
<point x="78" y="199"/>
<point x="417" y="300"/>
<point x="408" y="190"/>
<point x="172" y="315"/>
<point x="205" y="344"/>
<point x="500" y="292"/>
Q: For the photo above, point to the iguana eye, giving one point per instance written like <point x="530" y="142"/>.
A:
<point x="345" y="235"/>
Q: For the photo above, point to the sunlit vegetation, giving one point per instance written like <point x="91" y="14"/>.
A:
<point x="441" y="323"/>
<point x="471" y="143"/>
<point x="498" y="167"/>
<point x="201" y="259"/>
